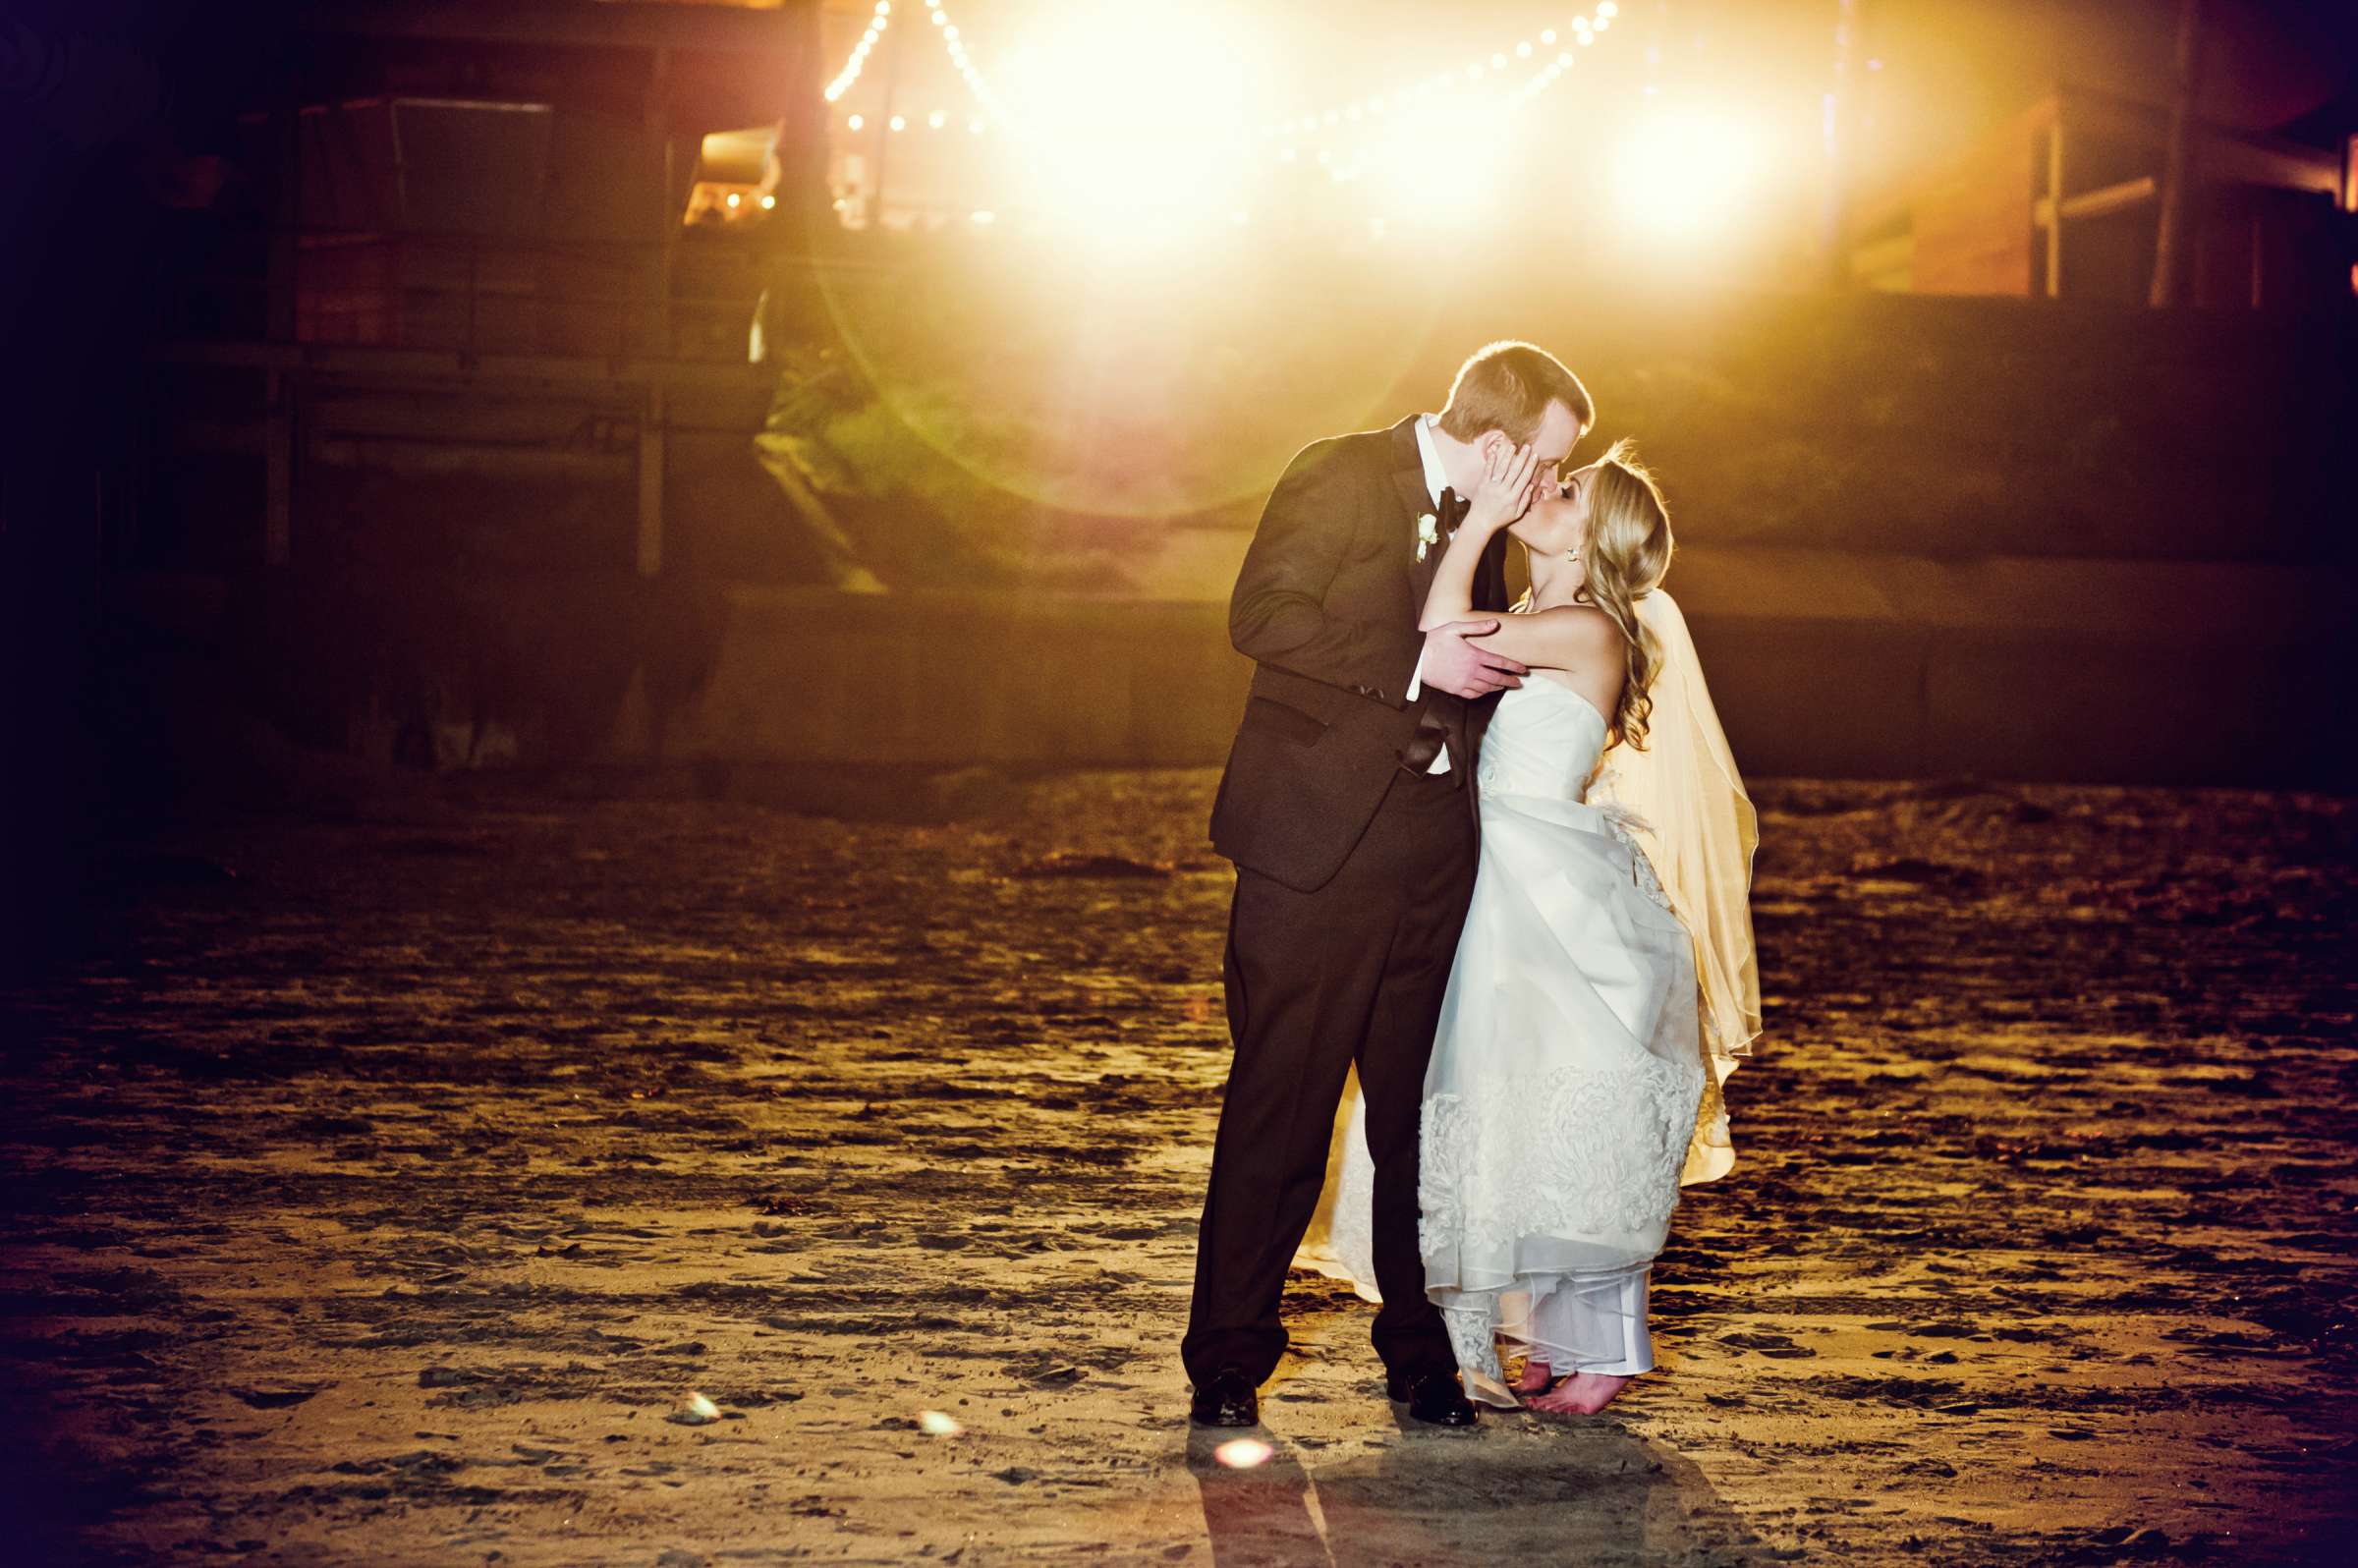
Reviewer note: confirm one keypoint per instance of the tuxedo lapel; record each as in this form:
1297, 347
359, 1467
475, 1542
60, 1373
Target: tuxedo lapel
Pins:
1414, 504
1408, 479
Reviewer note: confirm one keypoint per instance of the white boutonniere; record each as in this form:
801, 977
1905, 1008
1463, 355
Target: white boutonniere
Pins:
1429, 533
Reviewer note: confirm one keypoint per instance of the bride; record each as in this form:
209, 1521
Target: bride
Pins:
1604, 985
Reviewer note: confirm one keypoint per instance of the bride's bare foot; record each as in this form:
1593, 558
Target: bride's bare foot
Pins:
1536, 1376
1581, 1394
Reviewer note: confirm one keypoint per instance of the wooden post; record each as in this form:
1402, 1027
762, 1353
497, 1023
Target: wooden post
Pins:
2054, 203
2170, 237
280, 325
892, 87
278, 468
286, 218
650, 481
657, 121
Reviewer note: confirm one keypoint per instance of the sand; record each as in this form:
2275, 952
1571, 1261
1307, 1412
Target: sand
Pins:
384, 1175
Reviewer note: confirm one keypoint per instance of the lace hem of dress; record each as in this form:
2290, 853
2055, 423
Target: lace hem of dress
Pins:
1560, 1184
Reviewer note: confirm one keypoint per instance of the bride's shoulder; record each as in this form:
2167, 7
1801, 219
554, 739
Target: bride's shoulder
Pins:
1574, 626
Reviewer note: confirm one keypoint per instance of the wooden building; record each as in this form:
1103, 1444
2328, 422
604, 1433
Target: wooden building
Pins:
469, 253
2063, 201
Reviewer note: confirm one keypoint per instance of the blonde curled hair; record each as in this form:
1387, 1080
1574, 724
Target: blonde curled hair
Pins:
1627, 550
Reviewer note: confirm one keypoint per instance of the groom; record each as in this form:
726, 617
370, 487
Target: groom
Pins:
1349, 810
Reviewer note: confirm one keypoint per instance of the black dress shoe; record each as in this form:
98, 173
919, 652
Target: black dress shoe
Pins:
1432, 1397
1227, 1398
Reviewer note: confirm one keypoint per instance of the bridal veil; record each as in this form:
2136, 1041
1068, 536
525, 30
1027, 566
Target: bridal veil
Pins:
1684, 802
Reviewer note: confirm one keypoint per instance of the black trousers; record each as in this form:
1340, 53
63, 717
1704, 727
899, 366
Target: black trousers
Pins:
1316, 982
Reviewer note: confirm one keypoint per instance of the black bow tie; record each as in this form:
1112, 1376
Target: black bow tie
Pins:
1454, 508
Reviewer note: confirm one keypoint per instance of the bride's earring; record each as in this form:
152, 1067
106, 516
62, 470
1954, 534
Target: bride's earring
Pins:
1571, 555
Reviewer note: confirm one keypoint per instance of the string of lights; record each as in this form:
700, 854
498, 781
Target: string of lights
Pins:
879, 21
951, 40
1541, 79
1346, 169
1579, 33
976, 81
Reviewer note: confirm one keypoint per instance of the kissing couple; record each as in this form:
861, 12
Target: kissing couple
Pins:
1493, 864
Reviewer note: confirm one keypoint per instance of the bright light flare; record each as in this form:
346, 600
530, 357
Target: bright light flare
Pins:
939, 1425
1684, 171
1134, 117
1243, 1453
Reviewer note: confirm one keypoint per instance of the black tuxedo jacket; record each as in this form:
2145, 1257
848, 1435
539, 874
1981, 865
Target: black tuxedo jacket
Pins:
1326, 608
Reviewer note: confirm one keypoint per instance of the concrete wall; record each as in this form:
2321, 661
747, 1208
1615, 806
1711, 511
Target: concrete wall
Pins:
809, 675
1823, 664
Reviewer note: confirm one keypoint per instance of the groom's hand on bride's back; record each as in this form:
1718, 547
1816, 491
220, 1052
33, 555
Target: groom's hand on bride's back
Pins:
1456, 666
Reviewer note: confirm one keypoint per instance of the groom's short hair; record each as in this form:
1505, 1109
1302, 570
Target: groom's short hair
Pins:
1507, 386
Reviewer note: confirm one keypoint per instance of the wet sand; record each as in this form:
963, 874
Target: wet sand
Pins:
386, 1176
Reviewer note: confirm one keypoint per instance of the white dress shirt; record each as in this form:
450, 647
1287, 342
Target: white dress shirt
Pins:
1436, 481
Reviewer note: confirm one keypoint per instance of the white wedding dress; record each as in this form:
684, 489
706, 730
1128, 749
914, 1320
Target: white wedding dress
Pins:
1568, 1077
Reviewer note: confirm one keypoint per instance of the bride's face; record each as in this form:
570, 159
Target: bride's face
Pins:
1557, 522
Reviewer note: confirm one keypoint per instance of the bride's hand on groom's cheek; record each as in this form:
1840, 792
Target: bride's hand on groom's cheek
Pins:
1505, 494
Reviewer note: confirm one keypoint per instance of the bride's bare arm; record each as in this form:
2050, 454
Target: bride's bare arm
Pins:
1505, 491
1580, 642
1571, 637
1451, 596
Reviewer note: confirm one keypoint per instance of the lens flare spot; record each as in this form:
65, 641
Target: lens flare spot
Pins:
1243, 1453
1685, 170
939, 1425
